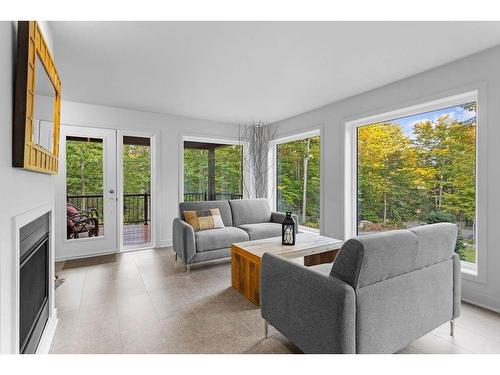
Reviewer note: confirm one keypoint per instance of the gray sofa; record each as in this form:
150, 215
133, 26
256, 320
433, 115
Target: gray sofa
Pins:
244, 220
382, 292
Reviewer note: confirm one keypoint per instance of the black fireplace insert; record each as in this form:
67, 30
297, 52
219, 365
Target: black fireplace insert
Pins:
34, 283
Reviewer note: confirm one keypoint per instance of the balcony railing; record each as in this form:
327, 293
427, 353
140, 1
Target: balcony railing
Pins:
136, 207
204, 196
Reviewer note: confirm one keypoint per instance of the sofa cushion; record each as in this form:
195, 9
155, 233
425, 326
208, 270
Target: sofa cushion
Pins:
262, 230
223, 206
204, 219
221, 238
250, 211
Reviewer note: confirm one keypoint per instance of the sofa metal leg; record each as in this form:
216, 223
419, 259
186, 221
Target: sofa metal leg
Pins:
188, 268
452, 327
266, 329
175, 259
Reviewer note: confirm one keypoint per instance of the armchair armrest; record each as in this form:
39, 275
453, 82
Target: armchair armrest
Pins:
278, 217
316, 311
183, 240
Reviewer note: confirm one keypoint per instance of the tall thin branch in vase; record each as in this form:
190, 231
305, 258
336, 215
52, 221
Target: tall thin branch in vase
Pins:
256, 138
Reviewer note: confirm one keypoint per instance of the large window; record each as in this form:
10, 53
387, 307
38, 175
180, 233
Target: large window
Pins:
212, 171
417, 170
298, 179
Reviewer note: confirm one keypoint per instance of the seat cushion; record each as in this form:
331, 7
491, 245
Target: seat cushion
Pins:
213, 239
250, 211
262, 230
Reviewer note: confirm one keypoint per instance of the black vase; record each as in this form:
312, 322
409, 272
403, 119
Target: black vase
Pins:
288, 230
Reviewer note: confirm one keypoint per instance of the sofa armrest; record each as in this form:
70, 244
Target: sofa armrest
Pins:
183, 240
278, 217
315, 311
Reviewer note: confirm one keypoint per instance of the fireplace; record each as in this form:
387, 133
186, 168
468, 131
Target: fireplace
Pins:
34, 277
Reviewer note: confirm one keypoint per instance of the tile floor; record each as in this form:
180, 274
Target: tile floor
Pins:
142, 302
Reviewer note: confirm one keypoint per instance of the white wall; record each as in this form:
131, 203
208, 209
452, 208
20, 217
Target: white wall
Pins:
20, 190
480, 71
170, 128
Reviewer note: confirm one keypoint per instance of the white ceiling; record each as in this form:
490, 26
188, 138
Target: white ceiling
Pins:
245, 71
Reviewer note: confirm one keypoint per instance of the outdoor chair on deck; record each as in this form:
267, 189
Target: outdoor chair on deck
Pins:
80, 221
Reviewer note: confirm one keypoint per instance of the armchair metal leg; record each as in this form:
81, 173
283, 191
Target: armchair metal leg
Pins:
175, 259
188, 268
266, 329
452, 327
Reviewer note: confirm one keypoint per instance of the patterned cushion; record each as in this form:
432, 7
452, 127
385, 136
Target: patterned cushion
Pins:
204, 219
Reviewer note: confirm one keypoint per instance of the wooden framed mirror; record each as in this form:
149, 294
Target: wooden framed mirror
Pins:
37, 103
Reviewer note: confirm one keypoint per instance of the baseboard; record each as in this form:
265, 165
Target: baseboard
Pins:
484, 306
165, 243
61, 259
48, 334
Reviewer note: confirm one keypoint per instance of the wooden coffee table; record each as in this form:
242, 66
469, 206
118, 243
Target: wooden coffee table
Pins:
246, 256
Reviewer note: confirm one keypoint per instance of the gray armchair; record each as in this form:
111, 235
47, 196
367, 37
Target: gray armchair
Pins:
383, 291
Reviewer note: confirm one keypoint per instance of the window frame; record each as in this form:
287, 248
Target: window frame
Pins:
273, 171
473, 271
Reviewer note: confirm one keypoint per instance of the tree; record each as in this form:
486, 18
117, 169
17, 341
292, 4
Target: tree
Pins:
385, 177
428, 175
298, 179
84, 167
447, 160
228, 170
136, 169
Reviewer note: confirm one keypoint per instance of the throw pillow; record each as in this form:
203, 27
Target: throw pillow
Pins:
204, 219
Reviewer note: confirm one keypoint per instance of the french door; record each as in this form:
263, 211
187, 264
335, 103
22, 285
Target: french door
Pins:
104, 192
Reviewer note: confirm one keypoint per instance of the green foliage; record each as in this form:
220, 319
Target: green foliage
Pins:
460, 247
84, 175
228, 170
136, 169
439, 217
427, 176
84, 167
296, 159
195, 170
370, 216
385, 176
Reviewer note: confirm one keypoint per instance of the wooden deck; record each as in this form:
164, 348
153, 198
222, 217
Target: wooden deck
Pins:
133, 234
